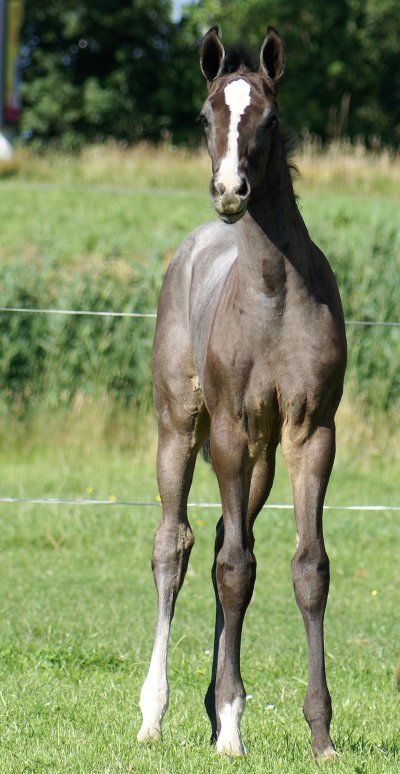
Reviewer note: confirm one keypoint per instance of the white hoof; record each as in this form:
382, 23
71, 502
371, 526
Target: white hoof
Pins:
328, 754
149, 733
231, 748
153, 704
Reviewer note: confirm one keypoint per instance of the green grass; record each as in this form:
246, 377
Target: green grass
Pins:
63, 226
78, 607
107, 248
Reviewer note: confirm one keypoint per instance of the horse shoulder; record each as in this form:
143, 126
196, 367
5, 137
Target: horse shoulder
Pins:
185, 301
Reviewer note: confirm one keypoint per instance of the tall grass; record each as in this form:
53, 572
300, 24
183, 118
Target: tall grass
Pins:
140, 166
96, 231
343, 165
147, 166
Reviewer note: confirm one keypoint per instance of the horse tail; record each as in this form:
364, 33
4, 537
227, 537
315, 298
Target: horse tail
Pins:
206, 452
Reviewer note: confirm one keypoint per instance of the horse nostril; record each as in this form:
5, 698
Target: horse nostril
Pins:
217, 188
244, 189
239, 189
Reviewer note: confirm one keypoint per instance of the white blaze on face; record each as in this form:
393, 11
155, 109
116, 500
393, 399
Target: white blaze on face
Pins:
237, 97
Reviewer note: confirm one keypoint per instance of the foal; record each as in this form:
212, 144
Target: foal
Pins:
249, 351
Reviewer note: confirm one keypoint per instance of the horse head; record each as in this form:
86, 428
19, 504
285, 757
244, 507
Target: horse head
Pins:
239, 117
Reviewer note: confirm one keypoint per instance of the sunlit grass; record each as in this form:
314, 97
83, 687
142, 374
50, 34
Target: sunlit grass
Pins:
338, 165
346, 166
78, 605
112, 164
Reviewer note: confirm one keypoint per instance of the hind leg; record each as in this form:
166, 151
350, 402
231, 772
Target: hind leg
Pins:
177, 449
218, 653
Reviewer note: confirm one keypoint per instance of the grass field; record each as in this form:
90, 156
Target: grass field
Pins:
98, 247
77, 596
78, 607
145, 166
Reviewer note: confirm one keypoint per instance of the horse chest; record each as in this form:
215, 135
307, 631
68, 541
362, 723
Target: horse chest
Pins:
274, 378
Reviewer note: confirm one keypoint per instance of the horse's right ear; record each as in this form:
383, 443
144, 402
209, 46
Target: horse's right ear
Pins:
212, 54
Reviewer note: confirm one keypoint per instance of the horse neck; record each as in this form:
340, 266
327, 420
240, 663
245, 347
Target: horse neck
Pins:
272, 230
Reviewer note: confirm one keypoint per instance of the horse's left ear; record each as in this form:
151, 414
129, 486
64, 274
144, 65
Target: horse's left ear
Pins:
272, 57
212, 54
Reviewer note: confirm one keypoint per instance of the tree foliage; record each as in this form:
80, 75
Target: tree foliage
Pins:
342, 72
124, 69
104, 69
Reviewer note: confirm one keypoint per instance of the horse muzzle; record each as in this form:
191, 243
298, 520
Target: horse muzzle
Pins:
230, 201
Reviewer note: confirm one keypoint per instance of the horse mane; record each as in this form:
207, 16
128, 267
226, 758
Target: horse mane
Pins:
290, 142
238, 60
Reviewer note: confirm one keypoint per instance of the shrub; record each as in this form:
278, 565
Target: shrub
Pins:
52, 359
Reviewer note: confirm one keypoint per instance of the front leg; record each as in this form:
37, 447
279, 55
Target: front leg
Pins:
261, 482
310, 463
234, 576
177, 449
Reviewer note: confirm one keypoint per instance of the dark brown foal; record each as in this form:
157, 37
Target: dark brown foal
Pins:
249, 352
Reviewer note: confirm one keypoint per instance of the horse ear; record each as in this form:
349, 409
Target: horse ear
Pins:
212, 54
272, 57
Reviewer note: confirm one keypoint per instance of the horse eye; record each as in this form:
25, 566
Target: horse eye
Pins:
204, 120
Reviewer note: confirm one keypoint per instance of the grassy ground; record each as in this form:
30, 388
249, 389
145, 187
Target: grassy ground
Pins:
77, 597
78, 611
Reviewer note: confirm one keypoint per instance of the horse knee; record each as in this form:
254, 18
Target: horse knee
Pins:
235, 576
171, 552
310, 574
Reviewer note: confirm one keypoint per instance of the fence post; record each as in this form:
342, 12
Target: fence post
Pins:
2, 57
11, 12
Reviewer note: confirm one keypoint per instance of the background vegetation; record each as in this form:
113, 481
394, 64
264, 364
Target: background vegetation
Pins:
54, 256
125, 70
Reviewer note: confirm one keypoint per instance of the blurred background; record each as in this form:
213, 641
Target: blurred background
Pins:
99, 103
104, 171
128, 69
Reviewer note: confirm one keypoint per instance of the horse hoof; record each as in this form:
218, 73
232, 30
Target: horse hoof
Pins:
149, 734
231, 749
326, 754
229, 752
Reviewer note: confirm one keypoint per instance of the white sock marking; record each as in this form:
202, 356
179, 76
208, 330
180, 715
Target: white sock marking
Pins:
229, 741
237, 97
155, 692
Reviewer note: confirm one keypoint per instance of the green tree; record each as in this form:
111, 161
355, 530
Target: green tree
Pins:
343, 60
123, 69
104, 69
